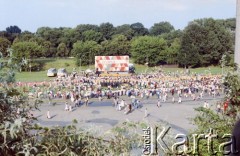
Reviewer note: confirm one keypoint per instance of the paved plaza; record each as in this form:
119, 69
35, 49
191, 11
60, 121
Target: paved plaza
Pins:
102, 116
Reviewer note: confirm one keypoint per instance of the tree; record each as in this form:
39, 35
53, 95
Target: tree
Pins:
25, 52
47, 49
125, 30
172, 52
77, 34
119, 45
160, 28
207, 41
86, 27
232, 83
208, 122
107, 29
4, 44
229, 24
91, 35
171, 36
62, 50
13, 30
151, 50
7, 69
139, 29
85, 52
52, 35
14, 127
26, 36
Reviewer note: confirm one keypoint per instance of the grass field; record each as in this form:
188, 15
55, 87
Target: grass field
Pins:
69, 64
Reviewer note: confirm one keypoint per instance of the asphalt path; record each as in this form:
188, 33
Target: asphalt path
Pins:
102, 116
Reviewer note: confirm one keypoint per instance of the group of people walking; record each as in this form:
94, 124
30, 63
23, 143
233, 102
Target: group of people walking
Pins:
135, 88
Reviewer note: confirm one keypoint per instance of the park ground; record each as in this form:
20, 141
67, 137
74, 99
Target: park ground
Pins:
101, 116
69, 64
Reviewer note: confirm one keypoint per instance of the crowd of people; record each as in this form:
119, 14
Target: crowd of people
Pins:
165, 87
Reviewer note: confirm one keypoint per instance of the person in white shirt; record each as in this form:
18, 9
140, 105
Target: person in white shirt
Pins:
206, 104
179, 99
173, 99
48, 115
66, 106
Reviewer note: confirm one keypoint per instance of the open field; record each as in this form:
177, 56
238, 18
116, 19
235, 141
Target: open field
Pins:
204, 70
69, 64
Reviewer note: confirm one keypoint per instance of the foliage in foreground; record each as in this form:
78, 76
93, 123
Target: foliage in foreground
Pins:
18, 134
222, 123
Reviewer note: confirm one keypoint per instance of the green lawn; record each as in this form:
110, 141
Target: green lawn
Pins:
69, 64
204, 70
32, 76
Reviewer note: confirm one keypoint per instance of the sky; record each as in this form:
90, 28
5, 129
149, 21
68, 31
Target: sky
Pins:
32, 14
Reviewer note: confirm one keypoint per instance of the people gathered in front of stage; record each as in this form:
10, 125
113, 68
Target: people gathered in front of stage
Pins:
164, 87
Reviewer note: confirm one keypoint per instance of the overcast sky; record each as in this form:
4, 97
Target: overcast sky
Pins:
32, 14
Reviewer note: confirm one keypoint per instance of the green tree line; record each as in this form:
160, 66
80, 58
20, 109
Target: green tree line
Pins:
201, 43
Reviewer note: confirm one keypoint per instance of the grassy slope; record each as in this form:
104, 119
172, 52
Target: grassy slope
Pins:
69, 64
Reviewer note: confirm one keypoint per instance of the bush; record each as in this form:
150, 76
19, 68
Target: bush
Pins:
35, 66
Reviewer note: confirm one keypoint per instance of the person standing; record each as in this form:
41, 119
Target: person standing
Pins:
179, 99
138, 103
145, 113
48, 115
158, 104
165, 97
173, 99
201, 94
72, 98
66, 106
218, 107
76, 103
86, 101
49, 99
225, 106
158, 94
114, 102
99, 98
206, 105
70, 107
